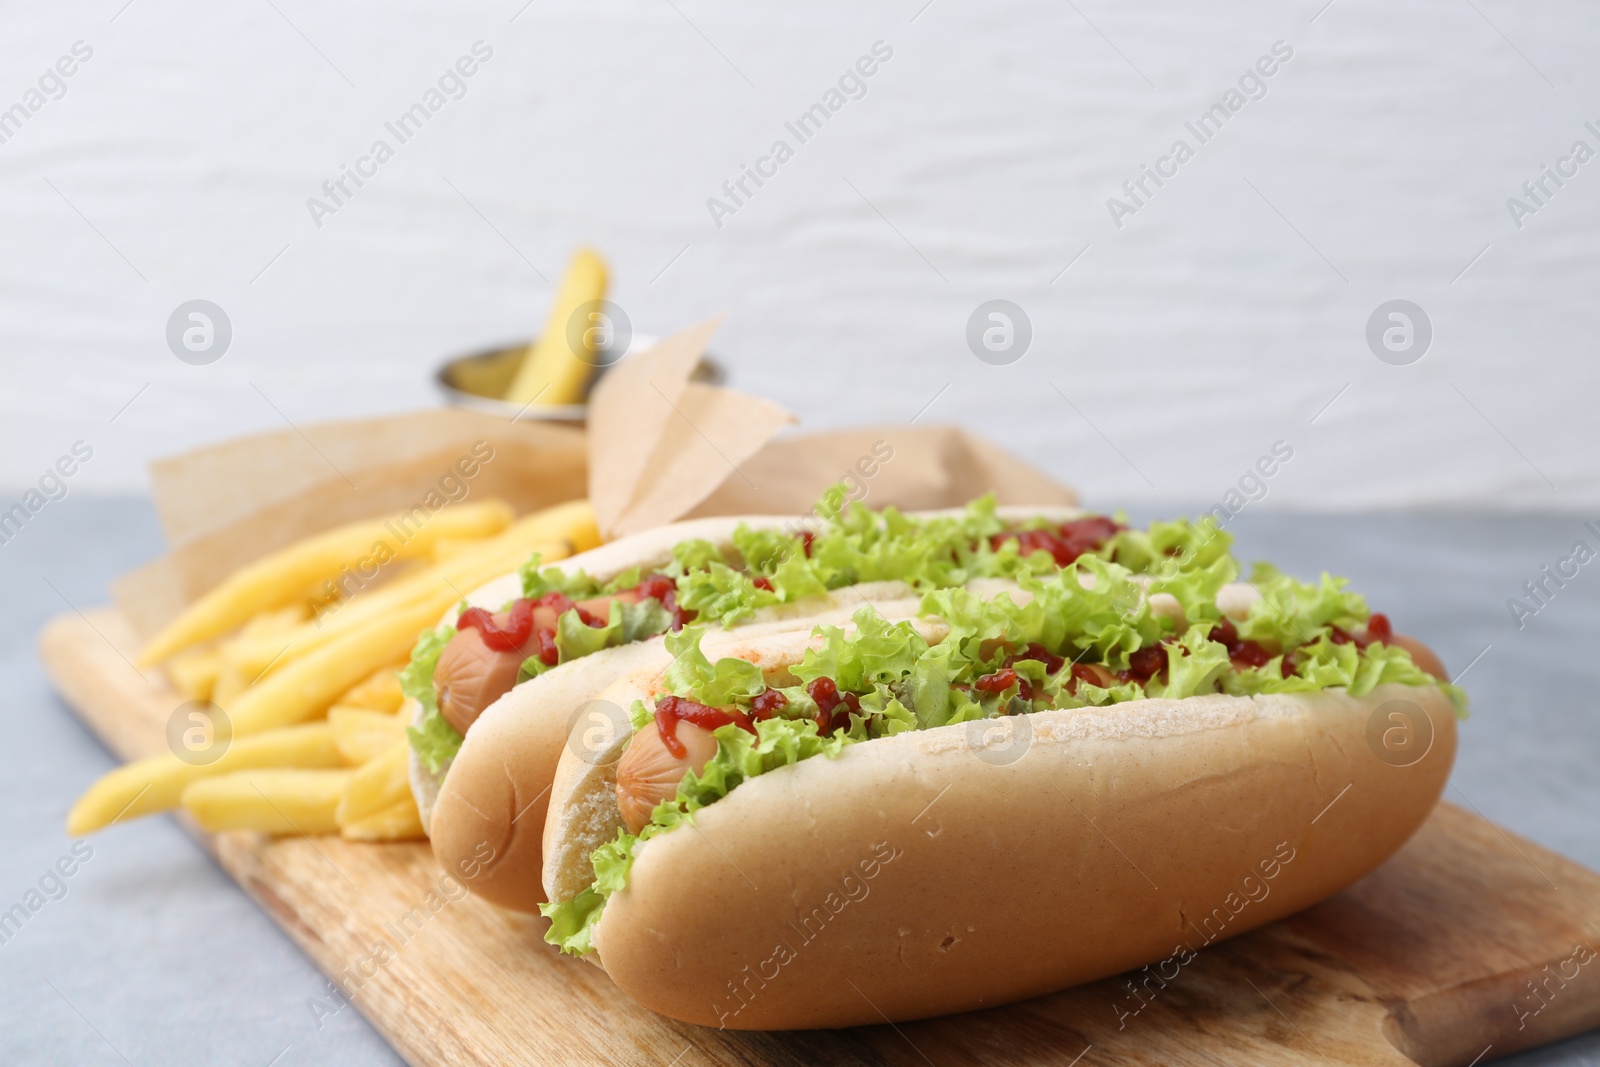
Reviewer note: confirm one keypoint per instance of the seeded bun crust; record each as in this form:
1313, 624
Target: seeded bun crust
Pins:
972, 865
495, 792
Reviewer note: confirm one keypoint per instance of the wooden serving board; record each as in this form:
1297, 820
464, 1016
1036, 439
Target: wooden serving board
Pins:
1434, 959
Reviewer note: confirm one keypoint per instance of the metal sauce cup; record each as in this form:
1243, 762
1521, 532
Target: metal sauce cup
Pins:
478, 380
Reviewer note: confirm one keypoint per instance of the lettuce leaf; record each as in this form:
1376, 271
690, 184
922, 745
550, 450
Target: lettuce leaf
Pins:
1169, 548
1194, 664
1292, 613
720, 593
876, 651
537, 581
435, 741
692, 675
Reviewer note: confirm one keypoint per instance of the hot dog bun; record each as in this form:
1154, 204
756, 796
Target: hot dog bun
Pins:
495, 792
975, 864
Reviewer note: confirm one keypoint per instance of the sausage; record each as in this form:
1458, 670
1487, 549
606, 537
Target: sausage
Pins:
470, 675
649, 773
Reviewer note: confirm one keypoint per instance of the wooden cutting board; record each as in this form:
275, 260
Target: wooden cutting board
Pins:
1470, 944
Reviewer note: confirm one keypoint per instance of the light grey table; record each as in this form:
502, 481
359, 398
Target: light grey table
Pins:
152, 956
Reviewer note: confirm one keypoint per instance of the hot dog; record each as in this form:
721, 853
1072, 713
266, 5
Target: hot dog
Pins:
496, 690
1004, 796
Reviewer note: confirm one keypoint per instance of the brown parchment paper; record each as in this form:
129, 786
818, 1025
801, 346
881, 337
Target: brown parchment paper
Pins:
658, 448
907, 466
224, 505
660, 444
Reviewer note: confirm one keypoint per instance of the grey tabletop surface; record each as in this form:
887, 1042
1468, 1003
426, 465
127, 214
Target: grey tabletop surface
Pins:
148, 954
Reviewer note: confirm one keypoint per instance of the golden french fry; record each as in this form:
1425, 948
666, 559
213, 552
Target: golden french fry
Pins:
554, 532
378, 784
194, 672
573, 521
276, 579
561, 360
271, 801
363, 735
230, 682
443, 550
276, 620
380, 691
329, 595
399, 822
307, 686
146, 786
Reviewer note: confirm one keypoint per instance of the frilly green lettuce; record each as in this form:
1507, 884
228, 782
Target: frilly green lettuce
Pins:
435, 741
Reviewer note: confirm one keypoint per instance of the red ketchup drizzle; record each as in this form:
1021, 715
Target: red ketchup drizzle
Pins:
519, 623
826, 693
1144, 664
1083, 672
806, 537
768, 704
1241, 653
1066, 542
1004, 679
671, 710
762, 583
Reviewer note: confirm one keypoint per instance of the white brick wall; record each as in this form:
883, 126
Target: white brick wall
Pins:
1223, 315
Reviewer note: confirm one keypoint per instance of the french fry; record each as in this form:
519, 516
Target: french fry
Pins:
399, 822
302, 689
555, 533
268, 629
194, 672
362, 735
272, 801
444, 549
380, 691
376, 785
573, 521
560, 362
275, 579
155, 784
276, 620
230, 682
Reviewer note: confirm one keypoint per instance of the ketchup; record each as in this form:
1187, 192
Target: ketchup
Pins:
806, 537
1085, 672
768, 704
519, 624
762, 583
1241, 653
671, 710
825, 691
1066, 542
1004, 679
1145, 664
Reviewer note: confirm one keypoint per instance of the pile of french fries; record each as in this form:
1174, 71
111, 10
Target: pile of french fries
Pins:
302, 659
